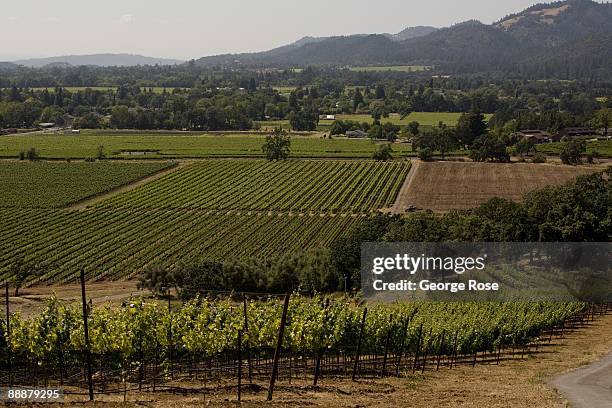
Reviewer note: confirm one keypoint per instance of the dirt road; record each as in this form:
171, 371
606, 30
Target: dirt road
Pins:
88, 202
590, 386
403, 199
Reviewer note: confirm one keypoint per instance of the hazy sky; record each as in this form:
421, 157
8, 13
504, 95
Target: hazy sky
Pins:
187, 29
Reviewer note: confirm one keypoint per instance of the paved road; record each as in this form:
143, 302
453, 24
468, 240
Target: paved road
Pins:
590, 386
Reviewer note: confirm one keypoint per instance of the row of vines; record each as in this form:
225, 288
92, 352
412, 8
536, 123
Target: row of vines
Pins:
120, 243
57, 184
205, 328
256, 185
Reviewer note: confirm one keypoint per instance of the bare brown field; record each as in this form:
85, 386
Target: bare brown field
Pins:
444, 186
32, 300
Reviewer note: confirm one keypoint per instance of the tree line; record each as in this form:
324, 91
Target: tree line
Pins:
209, 99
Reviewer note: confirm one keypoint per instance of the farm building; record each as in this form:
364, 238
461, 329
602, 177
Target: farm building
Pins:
538, 136
67, 120
356, 134
574, 132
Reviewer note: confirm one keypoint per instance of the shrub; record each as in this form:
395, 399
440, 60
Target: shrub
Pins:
571, 151
383, 153
100, 153
539, 158
486, 148
310, 271
157, 279
32, 154
592, 157
425, 154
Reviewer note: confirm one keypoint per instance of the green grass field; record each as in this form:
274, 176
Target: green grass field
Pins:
183, 145
55, 184
426, 119
603, 147
258, 185
393, 68
271, 124
284, 90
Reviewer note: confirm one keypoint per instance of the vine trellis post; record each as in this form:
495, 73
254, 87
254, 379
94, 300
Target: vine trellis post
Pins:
86, 332
279, 345
8, 335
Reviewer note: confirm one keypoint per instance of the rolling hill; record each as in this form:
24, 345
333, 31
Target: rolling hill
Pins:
555, 24
472, 45
586, 58
411, 32
321, 50
543, 34
102, 60
7, 65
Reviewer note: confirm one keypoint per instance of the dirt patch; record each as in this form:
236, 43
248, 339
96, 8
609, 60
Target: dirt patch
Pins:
31, 300
403, 196
444, 186
552, 12
510, 22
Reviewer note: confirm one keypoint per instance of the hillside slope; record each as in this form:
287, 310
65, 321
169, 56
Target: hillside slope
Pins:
466, 46
412, 32
576, 31
7, 65
586, 58
550, 25
102, 60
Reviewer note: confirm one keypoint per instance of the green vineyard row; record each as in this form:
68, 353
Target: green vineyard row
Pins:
119, 244
56, 184
208, 328
298, 186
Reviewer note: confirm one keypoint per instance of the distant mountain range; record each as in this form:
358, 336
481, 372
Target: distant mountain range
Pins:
541, 35
101, 60
294, 51
7, 65
566, 39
